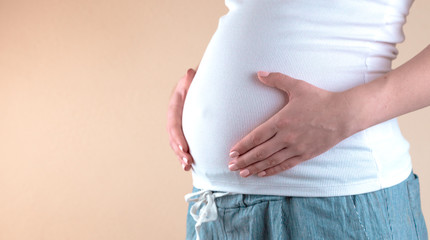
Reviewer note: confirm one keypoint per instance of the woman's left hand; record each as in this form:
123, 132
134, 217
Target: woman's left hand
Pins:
312, 122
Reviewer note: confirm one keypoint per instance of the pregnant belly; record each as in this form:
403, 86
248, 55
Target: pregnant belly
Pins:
223, 104
226, 100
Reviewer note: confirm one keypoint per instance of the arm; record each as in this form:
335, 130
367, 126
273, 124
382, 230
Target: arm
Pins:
403, 90
293, 135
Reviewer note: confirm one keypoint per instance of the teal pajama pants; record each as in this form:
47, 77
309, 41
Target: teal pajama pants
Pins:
391, 213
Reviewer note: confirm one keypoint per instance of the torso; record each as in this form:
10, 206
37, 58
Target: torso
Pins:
334, 45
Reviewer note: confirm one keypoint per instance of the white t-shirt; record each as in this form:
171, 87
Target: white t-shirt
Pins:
332, 44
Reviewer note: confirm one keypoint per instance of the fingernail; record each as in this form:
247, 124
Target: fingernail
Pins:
244, 173
262, 174
183, 166
232, 167
263, 73
180, 147
185, 160
234, 154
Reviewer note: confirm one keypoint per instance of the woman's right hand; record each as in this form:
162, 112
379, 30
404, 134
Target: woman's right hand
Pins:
174, 119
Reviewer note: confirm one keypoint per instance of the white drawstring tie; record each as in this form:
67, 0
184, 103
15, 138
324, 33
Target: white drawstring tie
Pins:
207, 212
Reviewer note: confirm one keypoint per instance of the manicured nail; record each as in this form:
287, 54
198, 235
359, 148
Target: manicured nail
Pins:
234, 154
180, 147
183, 166
263, 73
232, 167
263, 173
185, 160
244, 173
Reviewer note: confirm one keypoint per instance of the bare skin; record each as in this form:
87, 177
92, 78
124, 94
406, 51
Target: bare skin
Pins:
177, 139
314, 120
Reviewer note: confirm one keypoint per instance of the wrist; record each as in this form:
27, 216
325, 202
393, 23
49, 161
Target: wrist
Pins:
348, 113
367, 104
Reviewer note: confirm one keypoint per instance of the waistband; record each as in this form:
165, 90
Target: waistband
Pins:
204, 209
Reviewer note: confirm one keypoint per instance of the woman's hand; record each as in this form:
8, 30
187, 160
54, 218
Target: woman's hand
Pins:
174, 120
312, 122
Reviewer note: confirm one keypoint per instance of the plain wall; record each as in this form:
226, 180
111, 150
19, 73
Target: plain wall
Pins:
84, 89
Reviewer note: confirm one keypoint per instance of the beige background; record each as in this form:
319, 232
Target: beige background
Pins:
84, 87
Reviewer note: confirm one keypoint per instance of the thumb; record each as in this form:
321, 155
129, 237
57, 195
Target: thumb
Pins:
277, 80
189, 76
190, 73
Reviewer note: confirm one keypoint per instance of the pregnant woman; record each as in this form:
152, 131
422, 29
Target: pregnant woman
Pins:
289, 124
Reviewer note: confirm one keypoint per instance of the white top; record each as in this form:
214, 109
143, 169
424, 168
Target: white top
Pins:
332, 44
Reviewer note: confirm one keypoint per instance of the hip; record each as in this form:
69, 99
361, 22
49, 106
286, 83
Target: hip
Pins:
390, 213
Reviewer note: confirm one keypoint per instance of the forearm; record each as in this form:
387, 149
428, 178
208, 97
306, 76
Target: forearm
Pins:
403, 90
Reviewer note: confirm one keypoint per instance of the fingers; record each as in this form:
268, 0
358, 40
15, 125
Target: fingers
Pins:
178, 137
270, 162
179, 144
185, 166
185, 159
258, 136
283, 166
262, 151
279, 80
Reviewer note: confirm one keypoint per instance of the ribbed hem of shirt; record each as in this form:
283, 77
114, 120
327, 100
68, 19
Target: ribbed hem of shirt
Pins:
303, 191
